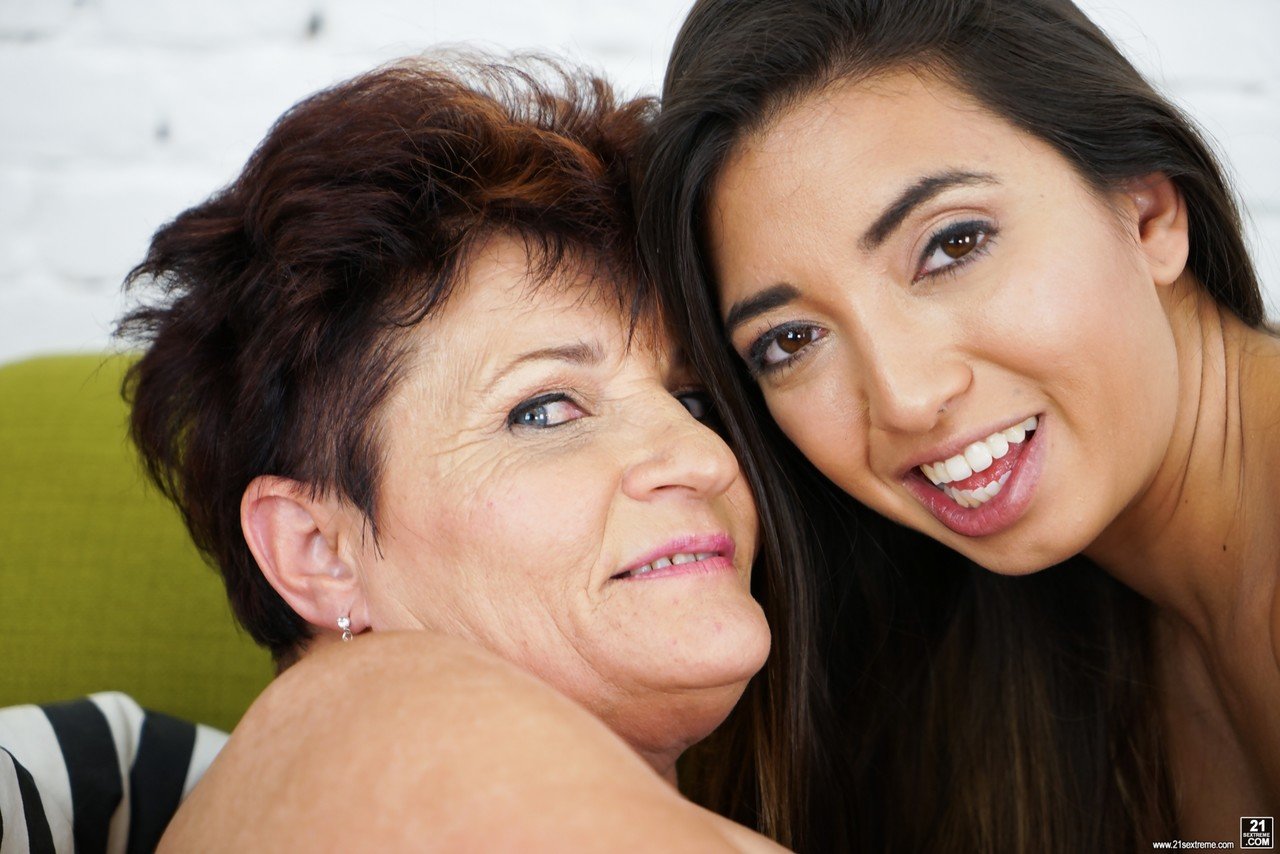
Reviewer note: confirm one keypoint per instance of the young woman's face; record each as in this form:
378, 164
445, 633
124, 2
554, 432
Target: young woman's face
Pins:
548, 493
945, 319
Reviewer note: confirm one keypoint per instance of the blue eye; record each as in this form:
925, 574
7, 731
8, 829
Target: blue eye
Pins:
544, 411
781, 345
954, 246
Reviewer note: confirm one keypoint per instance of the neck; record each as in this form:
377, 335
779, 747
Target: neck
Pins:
661, 728
1202, 535
1203, 544
664, 764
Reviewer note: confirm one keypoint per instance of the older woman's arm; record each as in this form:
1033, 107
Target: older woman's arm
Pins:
412, 741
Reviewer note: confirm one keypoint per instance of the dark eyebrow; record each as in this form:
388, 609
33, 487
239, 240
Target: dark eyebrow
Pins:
901, 207
914, 196
579, 353
757, 304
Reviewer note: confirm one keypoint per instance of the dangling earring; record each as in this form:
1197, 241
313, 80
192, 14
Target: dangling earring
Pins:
344, 623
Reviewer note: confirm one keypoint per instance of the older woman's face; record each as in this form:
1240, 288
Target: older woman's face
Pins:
547, 493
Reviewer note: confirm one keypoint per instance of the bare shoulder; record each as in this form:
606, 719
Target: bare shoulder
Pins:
413, 741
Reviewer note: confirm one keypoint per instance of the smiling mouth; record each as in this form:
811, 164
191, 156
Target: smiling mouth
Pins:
678, 559
978, 474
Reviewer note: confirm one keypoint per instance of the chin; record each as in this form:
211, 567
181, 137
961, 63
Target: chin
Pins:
1018, 557
726, 650
730, 672
1011, 568
673, 721
678, 699
712, 666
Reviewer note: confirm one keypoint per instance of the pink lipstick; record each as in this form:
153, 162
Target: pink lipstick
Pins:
689, 555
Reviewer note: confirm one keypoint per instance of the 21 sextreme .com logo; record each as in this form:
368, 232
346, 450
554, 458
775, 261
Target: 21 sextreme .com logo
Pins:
1257, 832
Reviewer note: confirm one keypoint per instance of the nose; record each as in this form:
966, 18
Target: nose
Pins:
910, 379
677, 454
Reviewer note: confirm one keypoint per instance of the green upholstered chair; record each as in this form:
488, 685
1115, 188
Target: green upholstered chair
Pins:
100, 586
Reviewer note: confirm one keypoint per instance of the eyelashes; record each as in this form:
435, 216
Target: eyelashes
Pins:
558, 408
947, 251
781, 346
954, 246
544, 412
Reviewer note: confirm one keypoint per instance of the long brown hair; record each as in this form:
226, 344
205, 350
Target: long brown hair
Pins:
980, 713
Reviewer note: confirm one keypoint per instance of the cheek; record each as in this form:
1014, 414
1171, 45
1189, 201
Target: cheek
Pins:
530, 524
1094, 329
825, 420
496, 550
1091, 339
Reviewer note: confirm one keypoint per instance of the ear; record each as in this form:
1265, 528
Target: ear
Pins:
1161, 219
297, 541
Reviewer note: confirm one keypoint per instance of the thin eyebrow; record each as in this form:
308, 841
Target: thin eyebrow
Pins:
893, 216
578, 353
914, 196
757, 304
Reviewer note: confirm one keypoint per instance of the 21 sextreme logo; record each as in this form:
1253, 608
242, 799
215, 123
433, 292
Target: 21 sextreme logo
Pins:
1257, 832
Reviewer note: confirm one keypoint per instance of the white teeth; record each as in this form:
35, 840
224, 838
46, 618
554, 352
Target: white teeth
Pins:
674, 560
1018, 432
978, 456
970, 498
957, 468
937, 473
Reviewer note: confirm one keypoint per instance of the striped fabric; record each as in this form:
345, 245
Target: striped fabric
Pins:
99, 774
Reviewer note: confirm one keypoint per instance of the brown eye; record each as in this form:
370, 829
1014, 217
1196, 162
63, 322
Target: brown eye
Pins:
780, 346
960, 245
793, 340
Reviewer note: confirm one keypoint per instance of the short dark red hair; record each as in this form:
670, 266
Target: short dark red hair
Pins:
274, 337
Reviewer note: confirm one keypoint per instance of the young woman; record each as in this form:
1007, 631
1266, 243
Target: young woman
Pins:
993, 286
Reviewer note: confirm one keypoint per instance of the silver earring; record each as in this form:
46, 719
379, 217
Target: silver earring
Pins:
344, 623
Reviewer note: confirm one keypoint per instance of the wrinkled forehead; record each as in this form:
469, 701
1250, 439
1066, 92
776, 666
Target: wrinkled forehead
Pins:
515, 296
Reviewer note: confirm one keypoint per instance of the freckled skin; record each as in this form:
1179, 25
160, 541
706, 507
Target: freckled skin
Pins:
1058, 315
508, 536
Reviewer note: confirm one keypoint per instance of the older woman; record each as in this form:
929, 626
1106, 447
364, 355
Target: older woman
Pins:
417, 404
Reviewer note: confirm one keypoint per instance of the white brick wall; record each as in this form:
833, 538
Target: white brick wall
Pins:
116, 114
